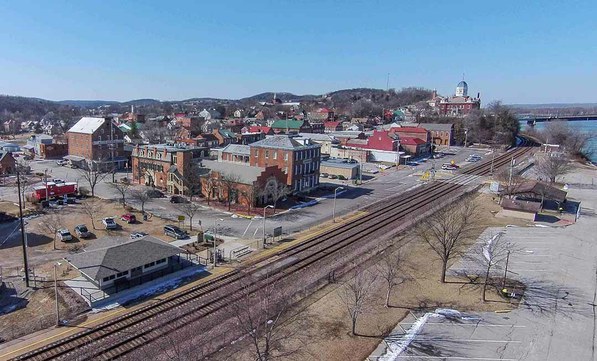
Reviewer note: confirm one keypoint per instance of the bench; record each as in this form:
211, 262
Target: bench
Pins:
239, 252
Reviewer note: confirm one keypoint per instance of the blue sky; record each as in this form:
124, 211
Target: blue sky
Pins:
514, 51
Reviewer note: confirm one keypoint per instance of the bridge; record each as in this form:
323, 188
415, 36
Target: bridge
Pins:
531, 118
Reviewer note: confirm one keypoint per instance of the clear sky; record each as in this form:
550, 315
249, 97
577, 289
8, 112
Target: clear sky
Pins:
515, 51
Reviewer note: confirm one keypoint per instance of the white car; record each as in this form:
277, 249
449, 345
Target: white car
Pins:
109, 223
64, 235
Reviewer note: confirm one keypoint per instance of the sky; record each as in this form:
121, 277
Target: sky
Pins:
514, 51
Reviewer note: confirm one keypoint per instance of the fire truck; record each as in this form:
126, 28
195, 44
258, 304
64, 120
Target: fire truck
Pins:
55, 190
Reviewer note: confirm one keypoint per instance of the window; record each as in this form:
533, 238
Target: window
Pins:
109, 278
285, 156
122, 274
136, 269
163, 260
256, 153
266, 154
275, 155
150, 264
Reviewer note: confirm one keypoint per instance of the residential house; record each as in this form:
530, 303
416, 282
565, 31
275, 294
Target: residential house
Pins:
7, 163
288, 126
96, 142
331, 127
325, 140
258, 128
248, 137
224, 137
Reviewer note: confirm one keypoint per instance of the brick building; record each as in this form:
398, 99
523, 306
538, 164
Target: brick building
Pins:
167, 167
299, 158
441, 134
96, 142
247, 187
460, 103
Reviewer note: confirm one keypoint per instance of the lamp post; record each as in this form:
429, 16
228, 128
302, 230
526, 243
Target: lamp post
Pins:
465, 136
215, 240
334, 208
56, 293
264, 208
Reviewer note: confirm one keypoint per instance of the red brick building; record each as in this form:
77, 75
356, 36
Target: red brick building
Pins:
331, 127
96, 142
167, 167
460, 103
379, 140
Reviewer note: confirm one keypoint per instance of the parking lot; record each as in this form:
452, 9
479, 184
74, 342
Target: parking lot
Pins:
555, 319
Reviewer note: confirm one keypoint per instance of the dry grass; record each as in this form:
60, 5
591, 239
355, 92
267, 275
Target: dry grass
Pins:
422, 290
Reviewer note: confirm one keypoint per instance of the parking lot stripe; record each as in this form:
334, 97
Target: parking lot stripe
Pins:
464, 324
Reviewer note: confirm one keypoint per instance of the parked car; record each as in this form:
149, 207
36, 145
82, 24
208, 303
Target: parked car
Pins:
447, 166
58, 180
175, 232
61, 162
81, 231
128, 218
154, 193
64, 235
109, 223
137, 235
323, 175
178, 199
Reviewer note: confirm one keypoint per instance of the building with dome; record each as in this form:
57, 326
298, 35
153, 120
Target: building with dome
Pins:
459, 104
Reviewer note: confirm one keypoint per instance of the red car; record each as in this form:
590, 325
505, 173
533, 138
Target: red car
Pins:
129, 218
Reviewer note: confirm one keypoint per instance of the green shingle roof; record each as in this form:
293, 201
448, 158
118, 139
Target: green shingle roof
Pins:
290, 124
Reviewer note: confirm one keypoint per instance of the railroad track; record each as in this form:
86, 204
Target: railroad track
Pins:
119, 336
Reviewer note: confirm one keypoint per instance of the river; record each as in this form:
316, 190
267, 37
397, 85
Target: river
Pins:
588, 126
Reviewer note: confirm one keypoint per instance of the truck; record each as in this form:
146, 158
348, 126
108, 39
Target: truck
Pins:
54, 190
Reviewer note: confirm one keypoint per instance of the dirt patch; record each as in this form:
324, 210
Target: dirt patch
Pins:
420, 291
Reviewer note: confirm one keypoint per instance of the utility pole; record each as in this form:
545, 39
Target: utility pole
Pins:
510, 177
506, 270
112, 149
264, 208
465, 136
26, 264
56, 296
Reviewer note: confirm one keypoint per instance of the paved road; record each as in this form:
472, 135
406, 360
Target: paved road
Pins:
385, 184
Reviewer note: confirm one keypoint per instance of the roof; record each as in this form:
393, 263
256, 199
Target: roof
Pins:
317, 137
411, 141
331, 124
436, 126
339, 164
259, 129
409, 130
237, 149
87, 125
462, 84
4, 154
280, 142
246, 174
107, 261
288, 123
541, 189
518, 205
226, 133
208, 137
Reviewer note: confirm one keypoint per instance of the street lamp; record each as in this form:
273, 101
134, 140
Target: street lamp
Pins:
334, 209
465, 136
56, 293
216, 224
264, 208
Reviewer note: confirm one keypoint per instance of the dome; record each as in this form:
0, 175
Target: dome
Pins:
462, 89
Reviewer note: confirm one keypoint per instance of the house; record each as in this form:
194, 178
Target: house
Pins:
96, 142
126, 262
340, 168
208, 140
322, 114
325, 140
414, 146
248, 137
224, 136
441, 134
520, 209
287, 126
331, 127
246, 182
381, 146
235, 153
257, 128
7, 163
165, 166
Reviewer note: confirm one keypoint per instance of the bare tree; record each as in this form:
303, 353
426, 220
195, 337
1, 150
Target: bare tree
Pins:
511, 183
52, 222
229, 182
572, 141
141, 196
249, 195
209, 185
552, 167
275, 190
390, 270
448, 228
495, 250
356, 296
262, 315
189, 209
92, 175
91, 207
122, 188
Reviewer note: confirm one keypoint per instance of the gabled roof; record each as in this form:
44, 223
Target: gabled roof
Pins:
519, 205
208, 137
226, 133
107, 261
331, 124
87, 125
258, 129
541, 189
288, 123
4, 154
